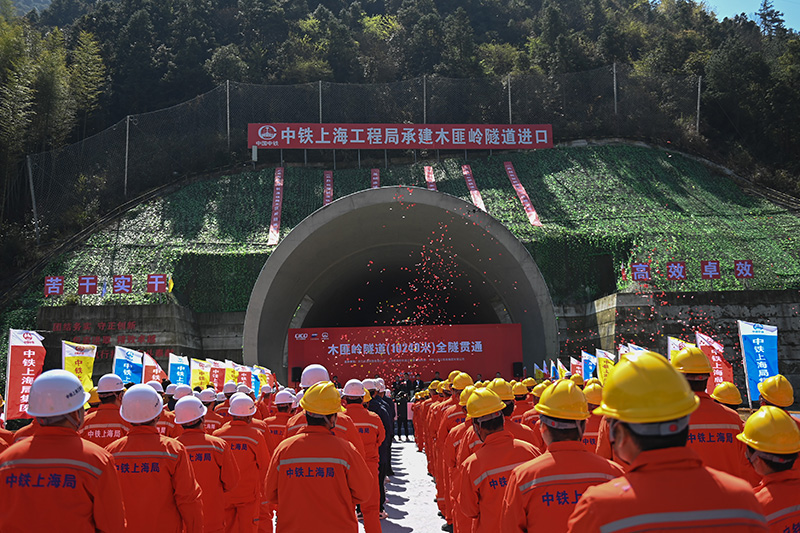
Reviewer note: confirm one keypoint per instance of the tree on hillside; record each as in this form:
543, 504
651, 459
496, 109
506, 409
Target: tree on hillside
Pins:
770, 19
87, 76
459, 58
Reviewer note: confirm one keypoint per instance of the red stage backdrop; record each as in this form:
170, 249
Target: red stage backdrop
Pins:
391, 350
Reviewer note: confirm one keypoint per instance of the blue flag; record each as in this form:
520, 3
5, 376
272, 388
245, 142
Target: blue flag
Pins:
179, 371
589, 364
553, 370
760, 353
128, 365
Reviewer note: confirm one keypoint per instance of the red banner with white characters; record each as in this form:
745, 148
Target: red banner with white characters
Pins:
327, 194
401, 136
152, 370
25, 361
216, 375
721, 370
375, 176
430, 181
391, 350
277, 206
474, 193
522, 194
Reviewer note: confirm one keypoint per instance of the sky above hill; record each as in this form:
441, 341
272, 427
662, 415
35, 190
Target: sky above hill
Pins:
730, 8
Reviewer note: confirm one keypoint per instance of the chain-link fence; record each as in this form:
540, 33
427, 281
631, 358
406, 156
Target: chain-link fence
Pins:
75, 184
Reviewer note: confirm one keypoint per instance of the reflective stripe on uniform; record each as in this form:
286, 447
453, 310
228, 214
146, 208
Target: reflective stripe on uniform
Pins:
565, 477
51, 462
144, 453
365, 424
84, 429
496, 471
691, 517
204, 447
296, 460
783, 512
298, 426
714, 426
239, 437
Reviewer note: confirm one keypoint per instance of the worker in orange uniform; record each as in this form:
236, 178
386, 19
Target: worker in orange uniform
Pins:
712, 427
56, 481
316, 466
211, 421
212, 460
94, 401
228, 390
276, 424
485, 473
26, 431
776, 391
505, 391
531, 416
773, 442
522, 402
265, 403
166, 422
461, 522
370, 429
243, 504
542, 493
157, 479
105, 425
452, 414
727, 394
666, 487
594, 396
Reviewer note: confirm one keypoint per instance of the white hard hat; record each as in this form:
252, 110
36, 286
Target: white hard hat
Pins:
170, 389
370, 384
242, 405
284, 397
241, 387
182, 391
380, 381
313, 374
220, 396
188, 409
110, 383
381, 385
140, 404
208, 396
294, 392
297, 398
266, 389
229, 387
196, 394
156, 385
56, 392
354, 388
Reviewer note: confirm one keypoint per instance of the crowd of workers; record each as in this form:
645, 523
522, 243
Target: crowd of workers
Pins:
647, 451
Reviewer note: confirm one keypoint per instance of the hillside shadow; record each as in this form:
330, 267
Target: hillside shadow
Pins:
244, 204
186, 209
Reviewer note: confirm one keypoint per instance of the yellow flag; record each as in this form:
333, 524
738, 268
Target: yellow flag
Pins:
200, 373
604, 366
170, 284
79, 360
231, 374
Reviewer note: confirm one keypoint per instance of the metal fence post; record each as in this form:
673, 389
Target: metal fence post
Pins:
228, 109
320, 101
33, 199
509, 99
699, 88
127, 145
615, 88
424, 99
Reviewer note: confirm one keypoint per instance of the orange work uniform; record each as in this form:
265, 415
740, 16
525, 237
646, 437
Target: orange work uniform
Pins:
27, 431
451, 414
344, 429
485, 476
372, 434
57, 481
7, 436
542, 493
591, 432
604, 448
316, 480
779, 494
243, 503
520, 432
212, 422
520, 408
158, 483
216, 472
166, 424
222, 409
461, 522
276, 424
712, 434
530, 417
669, 489
104, 426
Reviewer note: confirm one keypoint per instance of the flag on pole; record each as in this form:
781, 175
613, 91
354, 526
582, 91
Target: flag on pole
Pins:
244, 374
604, 365
562, 370
23, 364
152, 370
589, 363
553, 370
170, 285
634, 348
264, 374
759, 354
676, 345
602, 353
575, 367
179, 371
721, 370
216, 374
200, 373
623, 348
128, 365
538, 373
79, 360
231, 373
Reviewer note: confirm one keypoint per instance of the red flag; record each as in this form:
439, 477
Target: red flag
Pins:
721, 370
25, 361
152, 370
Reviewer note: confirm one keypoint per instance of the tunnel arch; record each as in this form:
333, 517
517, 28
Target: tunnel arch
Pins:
360, 260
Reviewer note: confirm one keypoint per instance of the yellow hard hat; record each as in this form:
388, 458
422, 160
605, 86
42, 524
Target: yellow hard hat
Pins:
539, 389
483, 402
529, 382
445, 385
2, 401
480, 384
645, 388
777, 390
93, 396
563, 400
577, 379
547, 382
592, 380
452, 375
771, 430
512, 383
502, 388
462, 380
519, 389
465, 394
434, 384
322, 399
367, 397
594, 393
727, 393
691, 360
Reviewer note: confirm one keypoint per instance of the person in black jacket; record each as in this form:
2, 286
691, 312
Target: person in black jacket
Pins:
377, 406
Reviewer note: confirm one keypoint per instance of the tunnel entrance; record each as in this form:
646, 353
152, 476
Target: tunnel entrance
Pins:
397, 256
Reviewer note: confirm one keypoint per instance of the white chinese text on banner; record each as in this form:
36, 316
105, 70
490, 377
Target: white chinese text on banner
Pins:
152, 370
575, 367
216, 375
200, 373
24, 363
179, 371
128, 365
589, 363
721, 370
759, 353
605, 363
79, 360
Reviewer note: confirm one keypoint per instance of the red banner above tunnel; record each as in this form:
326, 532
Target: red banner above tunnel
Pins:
401, 136
391, 350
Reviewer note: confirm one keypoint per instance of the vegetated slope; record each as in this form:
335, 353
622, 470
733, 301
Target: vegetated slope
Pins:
602, 208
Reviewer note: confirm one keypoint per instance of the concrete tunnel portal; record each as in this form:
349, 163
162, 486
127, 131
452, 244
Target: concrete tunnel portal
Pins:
397, 256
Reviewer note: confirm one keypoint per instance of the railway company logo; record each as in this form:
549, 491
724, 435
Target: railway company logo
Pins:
300, 336
267, 133
325, 335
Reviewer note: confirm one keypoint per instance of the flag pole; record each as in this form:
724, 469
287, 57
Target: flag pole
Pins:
744, 364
